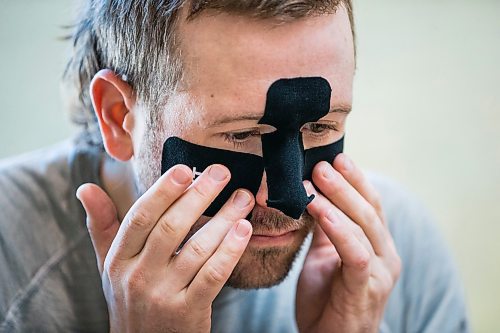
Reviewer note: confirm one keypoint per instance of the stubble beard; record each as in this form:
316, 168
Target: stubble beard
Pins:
264, 267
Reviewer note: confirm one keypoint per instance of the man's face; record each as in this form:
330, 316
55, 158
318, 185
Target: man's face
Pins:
229, 64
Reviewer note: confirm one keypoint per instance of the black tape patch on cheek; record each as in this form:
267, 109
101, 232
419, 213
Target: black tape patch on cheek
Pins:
246, 169
324, 153
290, 104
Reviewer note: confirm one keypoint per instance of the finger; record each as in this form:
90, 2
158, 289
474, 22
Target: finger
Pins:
356, 259
146, 211
357, 179
319, 237
322, 207
175, 223
102, 219
205, 242
334, 187
216, 271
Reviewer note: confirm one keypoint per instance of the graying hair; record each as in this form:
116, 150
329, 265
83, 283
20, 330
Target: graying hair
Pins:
137, 40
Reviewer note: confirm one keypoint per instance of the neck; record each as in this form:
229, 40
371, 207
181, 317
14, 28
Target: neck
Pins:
118, 182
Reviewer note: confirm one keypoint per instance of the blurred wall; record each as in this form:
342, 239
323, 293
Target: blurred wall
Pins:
32, 58
426, 112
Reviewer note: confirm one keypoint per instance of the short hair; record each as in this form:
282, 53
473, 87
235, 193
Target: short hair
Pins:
137, 40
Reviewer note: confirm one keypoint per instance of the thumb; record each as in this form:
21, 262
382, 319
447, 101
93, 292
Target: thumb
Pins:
102, 220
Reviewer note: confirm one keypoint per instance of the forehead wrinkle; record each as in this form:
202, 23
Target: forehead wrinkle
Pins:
232, 119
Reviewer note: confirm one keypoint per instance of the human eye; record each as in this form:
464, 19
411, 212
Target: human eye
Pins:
320, 129
239, 139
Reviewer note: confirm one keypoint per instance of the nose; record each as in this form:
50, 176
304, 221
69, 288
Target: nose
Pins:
262, 194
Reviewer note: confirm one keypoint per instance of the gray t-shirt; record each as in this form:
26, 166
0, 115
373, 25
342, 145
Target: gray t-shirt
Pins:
49, 280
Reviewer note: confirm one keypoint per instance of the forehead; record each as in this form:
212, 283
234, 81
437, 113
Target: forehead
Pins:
230, 61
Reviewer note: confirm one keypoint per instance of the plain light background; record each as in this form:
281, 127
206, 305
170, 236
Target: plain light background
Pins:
426, 112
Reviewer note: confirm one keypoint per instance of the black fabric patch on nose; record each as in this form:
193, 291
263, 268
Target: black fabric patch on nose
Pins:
290, 104
246, 169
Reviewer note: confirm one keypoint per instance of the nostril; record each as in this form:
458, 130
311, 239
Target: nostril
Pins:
262, 194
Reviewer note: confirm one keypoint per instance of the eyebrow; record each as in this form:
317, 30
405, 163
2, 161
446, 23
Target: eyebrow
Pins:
344, 109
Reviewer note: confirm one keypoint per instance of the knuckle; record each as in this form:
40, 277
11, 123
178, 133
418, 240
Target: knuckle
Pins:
181, 266
163, 194
156, 299
387, 284
362, 261
198, 249
216, 274
112, 267
202, 189
160, 298
358, 231
370, 214
134, 283
201, 292
167, 225
377, 200
397, 266
182, 312
91, 227
138, 220
337, 187
378, 292
345, 236
231, 252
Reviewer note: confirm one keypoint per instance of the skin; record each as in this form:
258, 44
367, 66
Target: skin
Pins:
230, 62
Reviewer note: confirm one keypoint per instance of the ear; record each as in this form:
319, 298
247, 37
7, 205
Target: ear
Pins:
113, 100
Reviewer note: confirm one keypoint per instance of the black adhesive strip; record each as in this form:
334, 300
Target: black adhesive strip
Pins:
246, 169
324, 153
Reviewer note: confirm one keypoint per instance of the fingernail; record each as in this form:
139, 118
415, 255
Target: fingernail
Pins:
217, 172
78, 194
242, 229
331, 216
181, 176
241, 199
328, 172
347, 163
309, 188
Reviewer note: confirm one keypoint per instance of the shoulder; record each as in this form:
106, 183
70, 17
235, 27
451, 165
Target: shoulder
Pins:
412, 226
36, 187
429, 293
44, 181
29, 178
40, 216
406, 215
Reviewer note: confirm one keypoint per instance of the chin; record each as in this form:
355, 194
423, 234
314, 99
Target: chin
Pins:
264, 264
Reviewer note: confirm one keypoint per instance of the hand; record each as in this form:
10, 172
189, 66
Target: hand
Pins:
148, 287
352, 264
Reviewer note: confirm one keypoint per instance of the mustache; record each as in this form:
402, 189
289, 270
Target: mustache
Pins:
271, 220
264, 220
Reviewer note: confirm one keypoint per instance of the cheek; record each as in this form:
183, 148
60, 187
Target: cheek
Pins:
136, 126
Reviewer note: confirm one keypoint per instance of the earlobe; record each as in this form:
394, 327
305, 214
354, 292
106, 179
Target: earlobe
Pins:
112, 99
